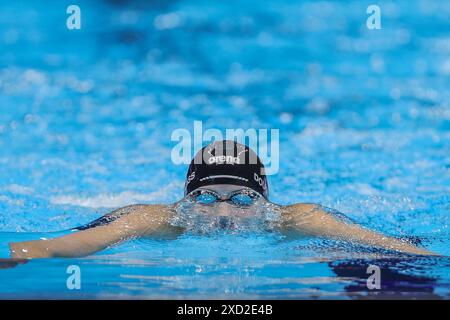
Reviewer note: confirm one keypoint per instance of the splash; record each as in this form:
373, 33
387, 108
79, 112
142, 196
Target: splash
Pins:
199, 220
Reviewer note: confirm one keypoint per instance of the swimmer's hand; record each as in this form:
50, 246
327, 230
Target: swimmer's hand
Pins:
140, 220
312, 219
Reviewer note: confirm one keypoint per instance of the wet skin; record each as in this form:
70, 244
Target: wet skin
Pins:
155, 220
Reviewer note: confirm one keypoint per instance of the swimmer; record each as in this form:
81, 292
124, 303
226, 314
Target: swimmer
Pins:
224, 180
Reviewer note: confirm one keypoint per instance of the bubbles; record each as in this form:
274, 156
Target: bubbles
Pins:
167, 21
286, 117
202, 220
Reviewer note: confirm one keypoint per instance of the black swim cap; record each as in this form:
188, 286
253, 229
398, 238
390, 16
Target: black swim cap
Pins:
227, 162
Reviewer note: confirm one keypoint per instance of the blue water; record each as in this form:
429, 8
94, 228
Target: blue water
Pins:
364, 116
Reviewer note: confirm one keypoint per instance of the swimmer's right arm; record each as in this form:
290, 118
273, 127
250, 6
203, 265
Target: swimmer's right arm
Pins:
141, 220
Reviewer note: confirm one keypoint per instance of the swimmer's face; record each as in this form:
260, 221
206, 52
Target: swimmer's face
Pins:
228, 208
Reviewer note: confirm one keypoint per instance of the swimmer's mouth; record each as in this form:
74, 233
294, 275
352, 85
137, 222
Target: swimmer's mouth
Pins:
225, 223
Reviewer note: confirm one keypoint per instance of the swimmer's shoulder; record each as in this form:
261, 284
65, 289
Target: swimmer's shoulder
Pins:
161, 210
313, 212
140, 211
143, 210
299, 208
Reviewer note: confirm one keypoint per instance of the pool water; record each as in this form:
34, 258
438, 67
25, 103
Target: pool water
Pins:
364, 118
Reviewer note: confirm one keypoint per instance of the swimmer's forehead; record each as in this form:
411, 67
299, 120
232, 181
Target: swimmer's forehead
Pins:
223, 188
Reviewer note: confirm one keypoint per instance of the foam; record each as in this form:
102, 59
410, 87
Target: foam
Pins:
110, 200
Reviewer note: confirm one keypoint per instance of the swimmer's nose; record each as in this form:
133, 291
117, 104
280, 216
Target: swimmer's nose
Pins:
223, 209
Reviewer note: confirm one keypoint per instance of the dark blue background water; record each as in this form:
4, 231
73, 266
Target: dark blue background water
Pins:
86, 118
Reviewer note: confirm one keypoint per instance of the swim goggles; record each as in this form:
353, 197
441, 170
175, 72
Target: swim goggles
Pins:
239, 198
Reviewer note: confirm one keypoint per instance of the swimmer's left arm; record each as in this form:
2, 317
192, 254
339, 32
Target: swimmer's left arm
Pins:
314, 220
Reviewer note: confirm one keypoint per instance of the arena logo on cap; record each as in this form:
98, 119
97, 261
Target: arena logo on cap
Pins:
223, 159
259, 140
